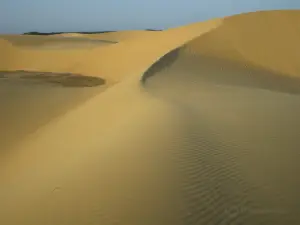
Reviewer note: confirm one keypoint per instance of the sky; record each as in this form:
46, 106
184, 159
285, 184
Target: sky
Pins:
19, 16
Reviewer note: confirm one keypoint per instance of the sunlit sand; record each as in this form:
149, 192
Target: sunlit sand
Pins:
196, 125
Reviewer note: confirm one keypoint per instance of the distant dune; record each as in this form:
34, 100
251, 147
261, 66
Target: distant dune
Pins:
121, 35
56, 33
76, 33
196, 125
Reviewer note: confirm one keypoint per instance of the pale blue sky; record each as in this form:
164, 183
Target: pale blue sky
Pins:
17, 16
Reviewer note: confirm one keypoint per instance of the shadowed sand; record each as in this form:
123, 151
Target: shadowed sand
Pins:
29, 100
63, 79
240, 148
54, 42
198, 129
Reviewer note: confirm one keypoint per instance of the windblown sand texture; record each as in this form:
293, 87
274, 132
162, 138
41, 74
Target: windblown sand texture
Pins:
195, 125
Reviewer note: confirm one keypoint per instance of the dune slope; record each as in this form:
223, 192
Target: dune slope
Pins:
267, 39
207, 135
238, 155
99, 177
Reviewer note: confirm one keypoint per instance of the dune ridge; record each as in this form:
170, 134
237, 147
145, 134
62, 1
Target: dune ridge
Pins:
259, 39
97, 62
193, 131
235, 162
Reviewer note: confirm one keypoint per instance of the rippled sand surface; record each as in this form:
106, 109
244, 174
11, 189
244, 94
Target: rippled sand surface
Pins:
195, 125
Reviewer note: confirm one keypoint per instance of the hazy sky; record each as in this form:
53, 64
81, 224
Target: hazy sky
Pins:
17, 16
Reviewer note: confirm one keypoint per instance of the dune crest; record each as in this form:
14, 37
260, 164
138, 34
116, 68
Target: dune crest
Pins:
267, 39
237, 154
98, 61
196, 125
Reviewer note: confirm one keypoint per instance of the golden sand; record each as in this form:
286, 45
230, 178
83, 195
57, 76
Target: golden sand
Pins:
194, 125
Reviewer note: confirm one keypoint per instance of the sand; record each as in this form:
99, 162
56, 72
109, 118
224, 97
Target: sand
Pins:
193, 125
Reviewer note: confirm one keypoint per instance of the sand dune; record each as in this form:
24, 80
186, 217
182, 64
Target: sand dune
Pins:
70, 35
261, 39
30, 100
239, 151
197, 125
98, 61
121, 35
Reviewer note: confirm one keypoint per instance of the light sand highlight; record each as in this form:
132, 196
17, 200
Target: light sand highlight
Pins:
120, 36
205, 136
52, 41
265, 39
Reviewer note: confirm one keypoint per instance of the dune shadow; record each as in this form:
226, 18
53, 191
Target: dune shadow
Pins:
222, 127
164, 62
245, 75
30, 100
59, 79
180, 66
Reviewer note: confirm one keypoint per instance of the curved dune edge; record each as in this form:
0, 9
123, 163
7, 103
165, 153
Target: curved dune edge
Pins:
100, 61
102, 161
236, 155
234, 161
93, 127
266, 39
